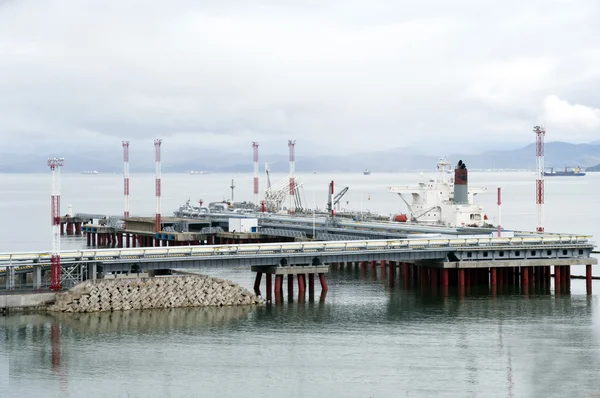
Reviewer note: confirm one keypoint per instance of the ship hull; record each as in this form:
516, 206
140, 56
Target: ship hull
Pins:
564, 174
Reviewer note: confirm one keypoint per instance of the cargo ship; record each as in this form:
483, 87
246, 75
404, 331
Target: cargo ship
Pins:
366, 172
576, 172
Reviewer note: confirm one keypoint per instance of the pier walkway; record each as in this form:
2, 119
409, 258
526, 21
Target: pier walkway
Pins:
541, 250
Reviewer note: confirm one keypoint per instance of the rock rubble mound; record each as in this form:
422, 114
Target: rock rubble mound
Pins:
159, 292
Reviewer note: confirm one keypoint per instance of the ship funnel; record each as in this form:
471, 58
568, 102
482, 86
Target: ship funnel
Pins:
461, 186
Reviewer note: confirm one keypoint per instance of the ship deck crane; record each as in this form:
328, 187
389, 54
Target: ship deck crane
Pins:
338, 197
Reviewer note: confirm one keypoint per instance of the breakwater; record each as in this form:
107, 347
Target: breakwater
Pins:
147, 293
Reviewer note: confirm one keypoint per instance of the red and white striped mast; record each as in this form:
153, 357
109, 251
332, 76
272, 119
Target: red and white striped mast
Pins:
157, 143
126, 177
255, 148
292, 147
55, 164
539, 191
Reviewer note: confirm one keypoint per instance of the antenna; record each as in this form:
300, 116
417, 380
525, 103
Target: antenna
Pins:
292, 148
255, 148
232, 186
55, 164
540, 132
157, 144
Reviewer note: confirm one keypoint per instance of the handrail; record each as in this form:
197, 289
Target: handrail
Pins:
294, 247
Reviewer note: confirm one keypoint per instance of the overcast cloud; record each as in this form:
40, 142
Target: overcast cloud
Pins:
349, 75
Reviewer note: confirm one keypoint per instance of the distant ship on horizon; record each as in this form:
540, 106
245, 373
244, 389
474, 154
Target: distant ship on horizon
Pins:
198, 172
366, 172
567, 172
89, 172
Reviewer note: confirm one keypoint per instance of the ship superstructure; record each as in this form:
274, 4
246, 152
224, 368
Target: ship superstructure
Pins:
444, 200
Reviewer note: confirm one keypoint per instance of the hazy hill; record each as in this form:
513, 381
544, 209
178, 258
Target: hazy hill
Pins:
557, 154
593, 168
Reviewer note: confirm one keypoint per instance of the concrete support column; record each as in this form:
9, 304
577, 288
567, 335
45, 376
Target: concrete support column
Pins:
62, 228
588, 279
23, 279
92, 271
382, 265
467, 273
37, 276
10, 278
311, 285
88, 238
557, 276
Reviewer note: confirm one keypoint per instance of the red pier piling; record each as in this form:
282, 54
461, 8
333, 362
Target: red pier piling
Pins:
301, 285
588, 279
461, 277
524, 276
323, 281
269, 291
257, 283
278, 285
290, 286
311, 285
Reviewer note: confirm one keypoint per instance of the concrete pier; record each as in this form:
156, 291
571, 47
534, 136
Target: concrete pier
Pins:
12, 302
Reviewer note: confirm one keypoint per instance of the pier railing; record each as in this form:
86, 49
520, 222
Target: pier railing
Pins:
115, 255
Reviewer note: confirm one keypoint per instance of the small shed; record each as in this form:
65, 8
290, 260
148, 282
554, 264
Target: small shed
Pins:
243, 225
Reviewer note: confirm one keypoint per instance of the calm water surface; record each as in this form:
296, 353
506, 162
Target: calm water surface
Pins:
367, 339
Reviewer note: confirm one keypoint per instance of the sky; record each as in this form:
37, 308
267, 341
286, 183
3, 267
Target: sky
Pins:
338, 76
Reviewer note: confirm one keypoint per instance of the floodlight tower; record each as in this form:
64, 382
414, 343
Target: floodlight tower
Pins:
157, 144
255, 148
292, 147
540, 132
55, 164
126, 177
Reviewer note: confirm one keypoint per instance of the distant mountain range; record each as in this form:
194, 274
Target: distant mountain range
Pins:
593, 168
557, 155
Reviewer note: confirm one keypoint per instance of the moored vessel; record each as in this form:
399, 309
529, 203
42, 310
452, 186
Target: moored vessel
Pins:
445, 200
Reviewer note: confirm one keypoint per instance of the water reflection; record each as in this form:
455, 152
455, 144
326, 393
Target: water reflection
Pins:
154, 321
